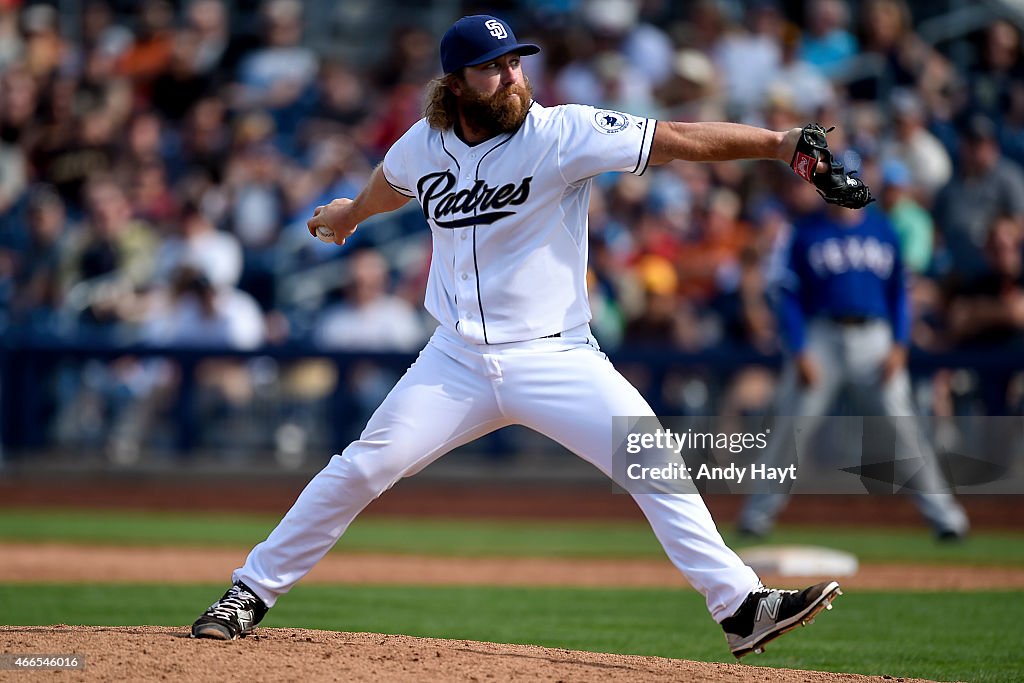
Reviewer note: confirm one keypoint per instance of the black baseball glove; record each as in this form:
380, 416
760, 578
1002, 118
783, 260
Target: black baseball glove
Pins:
837, 186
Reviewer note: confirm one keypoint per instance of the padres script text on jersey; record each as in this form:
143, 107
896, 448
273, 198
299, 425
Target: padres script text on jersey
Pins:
509, 216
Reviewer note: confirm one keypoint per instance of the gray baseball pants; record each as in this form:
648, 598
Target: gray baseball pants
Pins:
850, 357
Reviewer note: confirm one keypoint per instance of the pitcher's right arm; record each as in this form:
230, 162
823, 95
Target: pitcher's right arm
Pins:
342, 216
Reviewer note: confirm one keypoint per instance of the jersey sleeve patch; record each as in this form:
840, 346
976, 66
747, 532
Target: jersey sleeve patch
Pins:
609, 122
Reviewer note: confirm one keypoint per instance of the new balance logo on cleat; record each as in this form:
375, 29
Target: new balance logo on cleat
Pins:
231, 617
768, 613
769, 606
244, 619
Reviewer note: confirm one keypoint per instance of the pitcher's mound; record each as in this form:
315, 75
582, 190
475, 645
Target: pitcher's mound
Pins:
159, 653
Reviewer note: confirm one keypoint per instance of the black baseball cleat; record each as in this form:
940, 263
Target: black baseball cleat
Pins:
951, 536
231, 617
767, 613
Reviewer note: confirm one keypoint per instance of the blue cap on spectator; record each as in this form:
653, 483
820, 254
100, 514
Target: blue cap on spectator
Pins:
895, 173
477, 39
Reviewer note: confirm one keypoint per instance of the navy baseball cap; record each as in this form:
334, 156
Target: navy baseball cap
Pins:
477, 39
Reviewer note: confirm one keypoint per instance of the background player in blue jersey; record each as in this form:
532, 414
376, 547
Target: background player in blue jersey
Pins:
845, 319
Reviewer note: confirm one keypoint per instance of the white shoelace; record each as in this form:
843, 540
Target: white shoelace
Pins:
764, 589
228, 606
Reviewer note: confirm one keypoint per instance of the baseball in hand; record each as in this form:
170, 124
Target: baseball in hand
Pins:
325, 234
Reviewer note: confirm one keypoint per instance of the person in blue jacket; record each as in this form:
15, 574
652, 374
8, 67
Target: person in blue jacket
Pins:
845, 321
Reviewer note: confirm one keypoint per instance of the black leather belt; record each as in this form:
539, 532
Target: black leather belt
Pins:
852, 319
556, 334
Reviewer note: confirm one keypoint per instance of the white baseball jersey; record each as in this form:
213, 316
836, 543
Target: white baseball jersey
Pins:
509, 216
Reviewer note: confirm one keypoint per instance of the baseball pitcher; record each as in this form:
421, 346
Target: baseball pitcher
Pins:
505, 184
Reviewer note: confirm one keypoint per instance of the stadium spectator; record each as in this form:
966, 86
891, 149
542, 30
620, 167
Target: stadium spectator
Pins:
601, 72
217, 254
910, 142
152, 198
749, 57
985, 186
258, 212
828, 43
408, 58
100, 30
610, 283
748, 326
201, 313
47, 52
988, 312
11, 44
805, 84
691, 93
342, 103
369, 317
37, 295
998, 76
150, 53
714, 243
904, 60
624, 25
1012, 131
216, 52
109, 260
748, 323
401, 78
665, 319
19, 99
279, 76
206, 138
178, 87
100, 87
913, 224
81, 148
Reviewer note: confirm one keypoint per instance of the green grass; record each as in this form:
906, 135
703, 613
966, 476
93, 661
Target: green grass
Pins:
939, 636
956, 636
467, 538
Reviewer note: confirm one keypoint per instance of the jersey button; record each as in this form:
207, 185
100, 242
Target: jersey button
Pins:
465, 276
464, 235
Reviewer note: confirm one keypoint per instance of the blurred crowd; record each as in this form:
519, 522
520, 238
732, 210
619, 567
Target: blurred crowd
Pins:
156, 170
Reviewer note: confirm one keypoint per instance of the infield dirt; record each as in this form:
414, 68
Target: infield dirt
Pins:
157, 653
160, 653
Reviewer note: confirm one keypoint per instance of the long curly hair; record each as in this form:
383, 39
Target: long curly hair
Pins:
441, 108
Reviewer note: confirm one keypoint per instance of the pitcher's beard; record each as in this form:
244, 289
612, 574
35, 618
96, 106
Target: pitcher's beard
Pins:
502, 112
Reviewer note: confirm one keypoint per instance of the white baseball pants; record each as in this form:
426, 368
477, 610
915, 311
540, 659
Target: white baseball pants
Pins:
562, 387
